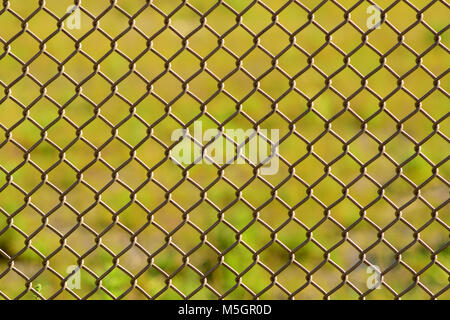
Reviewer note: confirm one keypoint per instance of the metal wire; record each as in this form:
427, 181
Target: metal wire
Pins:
306, 274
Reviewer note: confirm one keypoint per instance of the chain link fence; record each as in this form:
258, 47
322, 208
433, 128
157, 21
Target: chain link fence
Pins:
114, 115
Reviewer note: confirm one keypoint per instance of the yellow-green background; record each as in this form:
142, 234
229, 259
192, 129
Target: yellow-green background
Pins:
27, 133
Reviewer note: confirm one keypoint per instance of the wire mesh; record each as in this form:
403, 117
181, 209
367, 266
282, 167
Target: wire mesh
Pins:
94, 205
